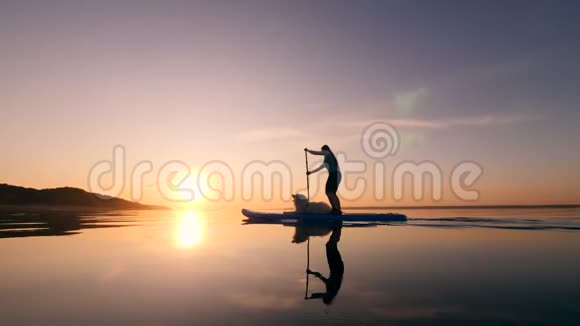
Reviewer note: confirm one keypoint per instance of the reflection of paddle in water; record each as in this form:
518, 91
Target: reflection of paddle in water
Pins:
336, 266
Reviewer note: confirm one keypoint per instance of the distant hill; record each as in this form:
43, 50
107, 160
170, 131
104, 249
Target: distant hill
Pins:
65, 196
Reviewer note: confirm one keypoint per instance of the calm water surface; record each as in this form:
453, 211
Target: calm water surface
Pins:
509, 266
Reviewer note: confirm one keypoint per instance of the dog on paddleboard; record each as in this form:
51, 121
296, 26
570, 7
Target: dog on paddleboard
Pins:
302, 205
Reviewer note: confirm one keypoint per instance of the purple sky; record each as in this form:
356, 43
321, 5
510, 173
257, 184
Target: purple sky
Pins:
495, 82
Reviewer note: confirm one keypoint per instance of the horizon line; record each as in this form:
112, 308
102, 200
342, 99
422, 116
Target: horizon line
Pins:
508, 206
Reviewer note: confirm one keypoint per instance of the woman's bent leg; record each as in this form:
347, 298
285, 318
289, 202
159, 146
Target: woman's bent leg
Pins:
331, 188
337, 203
334, 202
331, 201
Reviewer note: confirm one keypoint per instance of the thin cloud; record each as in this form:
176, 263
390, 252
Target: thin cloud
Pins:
475, 121
287, 134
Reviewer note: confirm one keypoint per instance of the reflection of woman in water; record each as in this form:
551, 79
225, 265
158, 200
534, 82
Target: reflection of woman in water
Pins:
336, 266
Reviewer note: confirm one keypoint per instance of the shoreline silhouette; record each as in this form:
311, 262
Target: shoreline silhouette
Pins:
14, 197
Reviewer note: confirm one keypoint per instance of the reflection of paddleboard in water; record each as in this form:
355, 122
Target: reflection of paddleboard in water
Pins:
359, 217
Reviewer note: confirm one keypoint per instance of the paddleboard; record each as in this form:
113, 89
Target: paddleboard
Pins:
359, 217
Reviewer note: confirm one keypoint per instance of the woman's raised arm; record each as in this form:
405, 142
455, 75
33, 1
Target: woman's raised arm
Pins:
315, 152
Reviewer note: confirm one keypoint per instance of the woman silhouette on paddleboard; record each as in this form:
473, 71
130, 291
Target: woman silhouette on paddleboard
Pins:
334, 176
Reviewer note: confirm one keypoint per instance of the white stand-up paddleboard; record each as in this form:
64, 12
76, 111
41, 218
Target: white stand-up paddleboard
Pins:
359, 217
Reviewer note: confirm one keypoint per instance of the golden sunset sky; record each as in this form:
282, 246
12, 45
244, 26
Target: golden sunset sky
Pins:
244, 81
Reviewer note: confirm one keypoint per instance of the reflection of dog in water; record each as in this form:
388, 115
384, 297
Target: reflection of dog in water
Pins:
303, 232
303, 206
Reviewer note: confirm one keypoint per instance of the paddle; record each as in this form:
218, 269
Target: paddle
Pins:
308, 243
307, 267
307, 176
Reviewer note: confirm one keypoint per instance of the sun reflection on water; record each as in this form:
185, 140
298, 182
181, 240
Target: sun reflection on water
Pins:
190, 229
